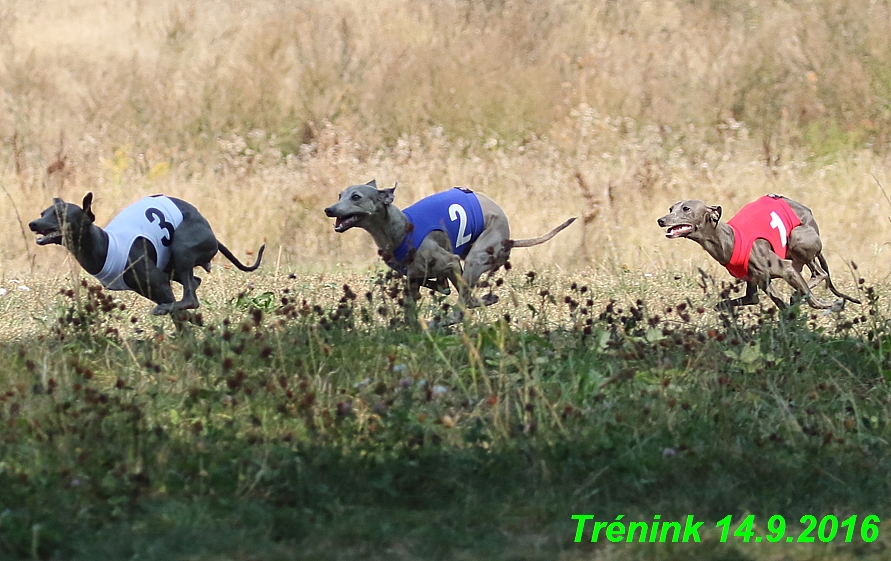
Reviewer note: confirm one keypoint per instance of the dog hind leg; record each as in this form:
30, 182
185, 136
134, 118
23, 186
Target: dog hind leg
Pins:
194, 245
788, 273
487, 255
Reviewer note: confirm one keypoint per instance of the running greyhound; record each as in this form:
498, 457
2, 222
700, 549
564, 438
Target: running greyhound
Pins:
427, 241
773, 237
149, 243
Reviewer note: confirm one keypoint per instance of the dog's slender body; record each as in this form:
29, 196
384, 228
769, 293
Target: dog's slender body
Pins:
190, 243
695, 220
433, 261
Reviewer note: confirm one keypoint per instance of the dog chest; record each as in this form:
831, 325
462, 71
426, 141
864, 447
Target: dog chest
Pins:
153, 218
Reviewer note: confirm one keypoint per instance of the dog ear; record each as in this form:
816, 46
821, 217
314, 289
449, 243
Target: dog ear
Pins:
88, 206
714, 213
372, 183
386, 196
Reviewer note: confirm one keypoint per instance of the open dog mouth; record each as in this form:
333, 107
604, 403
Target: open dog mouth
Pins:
48, 236
344, 223
679, 231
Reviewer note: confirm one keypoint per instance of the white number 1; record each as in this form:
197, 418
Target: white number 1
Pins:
457, 212
777, 224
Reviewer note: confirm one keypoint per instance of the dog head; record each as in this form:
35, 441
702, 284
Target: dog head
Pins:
357, 203
687, 218
63, 222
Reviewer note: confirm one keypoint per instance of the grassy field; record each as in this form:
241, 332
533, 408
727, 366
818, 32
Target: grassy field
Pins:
304, 419
300, 416
259, 113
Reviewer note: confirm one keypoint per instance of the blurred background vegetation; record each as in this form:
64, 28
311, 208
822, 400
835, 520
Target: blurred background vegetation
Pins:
176, 75
609, 110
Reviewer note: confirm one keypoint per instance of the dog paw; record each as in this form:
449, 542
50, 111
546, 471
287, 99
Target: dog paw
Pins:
455, 316
440, 327
837, 306
489, 299
438, 285
162, 309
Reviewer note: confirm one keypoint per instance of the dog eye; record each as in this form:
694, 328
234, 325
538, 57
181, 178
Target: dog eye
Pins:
686, 209
355, 197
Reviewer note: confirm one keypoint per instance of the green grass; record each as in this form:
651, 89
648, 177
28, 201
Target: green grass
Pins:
330, 429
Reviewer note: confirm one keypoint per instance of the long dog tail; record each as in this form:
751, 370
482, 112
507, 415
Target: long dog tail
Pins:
542, 239
829, 280
225, 251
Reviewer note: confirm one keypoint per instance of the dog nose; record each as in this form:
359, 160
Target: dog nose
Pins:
661, 221
329, 212
33, 225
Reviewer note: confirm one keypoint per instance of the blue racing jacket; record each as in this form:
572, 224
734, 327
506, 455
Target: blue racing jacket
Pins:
457, 212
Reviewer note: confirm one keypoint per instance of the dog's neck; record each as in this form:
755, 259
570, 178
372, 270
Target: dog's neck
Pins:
387, 228
89, 245
717, 241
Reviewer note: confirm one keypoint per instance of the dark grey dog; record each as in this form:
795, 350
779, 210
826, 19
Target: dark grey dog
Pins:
460, 225
742, 245
149, 243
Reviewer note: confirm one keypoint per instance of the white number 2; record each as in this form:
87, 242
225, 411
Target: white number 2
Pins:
457, 212
777, 224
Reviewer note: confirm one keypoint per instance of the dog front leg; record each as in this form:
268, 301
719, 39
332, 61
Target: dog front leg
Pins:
775, 295
410, 302
452, 273
144, 277
750, 297
152, 283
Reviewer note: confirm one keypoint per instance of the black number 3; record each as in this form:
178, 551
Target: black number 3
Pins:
163, 224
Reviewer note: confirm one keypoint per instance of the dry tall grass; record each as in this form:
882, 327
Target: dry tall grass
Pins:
260, 112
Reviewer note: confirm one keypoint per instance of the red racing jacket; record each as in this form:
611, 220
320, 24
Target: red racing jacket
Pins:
769, 217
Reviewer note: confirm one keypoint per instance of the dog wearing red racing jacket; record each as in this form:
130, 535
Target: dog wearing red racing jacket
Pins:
772, 237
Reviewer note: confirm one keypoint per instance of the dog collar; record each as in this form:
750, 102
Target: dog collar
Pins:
399, 259
400, 254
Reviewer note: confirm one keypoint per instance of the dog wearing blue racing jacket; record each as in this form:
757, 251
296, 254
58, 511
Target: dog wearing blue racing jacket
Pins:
427, 241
